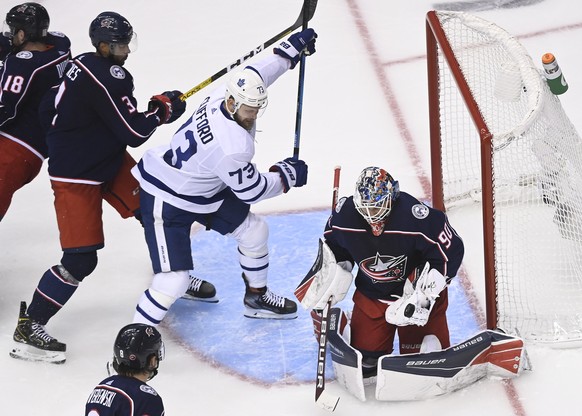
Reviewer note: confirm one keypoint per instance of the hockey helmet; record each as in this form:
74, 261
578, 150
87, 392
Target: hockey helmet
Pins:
31, 18
375, 191
112, 28
246, 87
134, 346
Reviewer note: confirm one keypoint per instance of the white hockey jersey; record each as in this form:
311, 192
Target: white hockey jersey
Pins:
209, 154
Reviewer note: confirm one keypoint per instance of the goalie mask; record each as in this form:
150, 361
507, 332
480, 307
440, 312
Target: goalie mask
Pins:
246, 87
375, 192
134, 346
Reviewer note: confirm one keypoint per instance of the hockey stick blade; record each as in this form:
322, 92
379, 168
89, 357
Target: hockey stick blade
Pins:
327, 401
307, 11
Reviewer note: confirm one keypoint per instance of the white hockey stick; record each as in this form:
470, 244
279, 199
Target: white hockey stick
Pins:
323, 398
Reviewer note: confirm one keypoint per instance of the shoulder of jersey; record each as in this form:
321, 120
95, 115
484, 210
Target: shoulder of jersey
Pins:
102, 68
26, 55
340, 203
148, 389
58, 34
418, 210
59, 40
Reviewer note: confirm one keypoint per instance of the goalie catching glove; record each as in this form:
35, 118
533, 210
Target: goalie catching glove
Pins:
298, 44
418, 299
168, 106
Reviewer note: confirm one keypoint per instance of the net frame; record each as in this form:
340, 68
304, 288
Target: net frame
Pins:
488, 132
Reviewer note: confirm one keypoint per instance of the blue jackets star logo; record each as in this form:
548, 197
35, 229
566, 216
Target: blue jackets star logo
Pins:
384, 268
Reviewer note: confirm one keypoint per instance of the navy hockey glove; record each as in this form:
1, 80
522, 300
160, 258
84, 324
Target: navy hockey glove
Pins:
5, 46
293, 173
297, 44
167, 106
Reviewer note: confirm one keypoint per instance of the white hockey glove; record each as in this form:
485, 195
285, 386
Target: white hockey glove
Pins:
417, 300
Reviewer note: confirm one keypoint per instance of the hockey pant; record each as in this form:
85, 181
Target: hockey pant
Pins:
19, 165
374, 337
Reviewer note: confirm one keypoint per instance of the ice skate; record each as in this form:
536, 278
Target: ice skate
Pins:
262, 303
200, 290
33, 343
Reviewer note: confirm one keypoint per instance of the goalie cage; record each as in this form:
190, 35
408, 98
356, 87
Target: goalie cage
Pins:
505, 154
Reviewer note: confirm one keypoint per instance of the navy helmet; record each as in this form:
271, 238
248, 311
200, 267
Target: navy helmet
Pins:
134, 346
110, 27
31, 18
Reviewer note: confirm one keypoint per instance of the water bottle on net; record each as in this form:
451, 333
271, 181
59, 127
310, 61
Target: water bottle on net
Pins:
553, 73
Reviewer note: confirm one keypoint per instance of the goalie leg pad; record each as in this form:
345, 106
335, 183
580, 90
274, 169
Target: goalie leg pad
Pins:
426, 375
325, 278
347, 361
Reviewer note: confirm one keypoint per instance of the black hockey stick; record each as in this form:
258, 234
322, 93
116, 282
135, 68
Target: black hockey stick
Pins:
300, 93
323, 398
306, 14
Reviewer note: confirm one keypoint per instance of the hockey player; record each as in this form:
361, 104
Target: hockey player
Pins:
406, 253
206, 175
137, 352
34, 59
389, 234
93, 119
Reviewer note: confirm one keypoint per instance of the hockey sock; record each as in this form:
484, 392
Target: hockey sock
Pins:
152, 307
52, 292
255, 269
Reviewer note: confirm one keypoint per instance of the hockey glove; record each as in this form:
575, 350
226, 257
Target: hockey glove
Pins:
293, 173
298, 44
167, 106
417, 300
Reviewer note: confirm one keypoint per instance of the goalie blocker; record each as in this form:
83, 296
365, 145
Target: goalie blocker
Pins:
326, 278
425, 375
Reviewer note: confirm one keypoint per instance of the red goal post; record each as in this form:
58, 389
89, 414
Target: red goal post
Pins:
506, 156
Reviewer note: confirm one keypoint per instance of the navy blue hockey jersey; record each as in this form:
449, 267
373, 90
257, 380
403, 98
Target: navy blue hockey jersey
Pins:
413, 234
124, 396
25, 78
96, 119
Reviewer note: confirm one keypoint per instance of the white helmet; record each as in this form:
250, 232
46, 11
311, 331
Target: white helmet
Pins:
246, 87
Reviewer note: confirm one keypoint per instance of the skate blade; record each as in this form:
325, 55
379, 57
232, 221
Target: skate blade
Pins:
29, 353
263, 314
213, 299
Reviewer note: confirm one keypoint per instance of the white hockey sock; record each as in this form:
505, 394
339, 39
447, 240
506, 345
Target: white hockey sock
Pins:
152, 307
255, 269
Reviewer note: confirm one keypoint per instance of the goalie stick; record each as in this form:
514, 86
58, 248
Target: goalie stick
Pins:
323, 398
307, 12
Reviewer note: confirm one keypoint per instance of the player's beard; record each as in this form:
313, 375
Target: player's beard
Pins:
247, 123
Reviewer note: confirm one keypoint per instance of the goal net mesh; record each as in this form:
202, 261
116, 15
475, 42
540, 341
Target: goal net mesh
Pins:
536, 176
